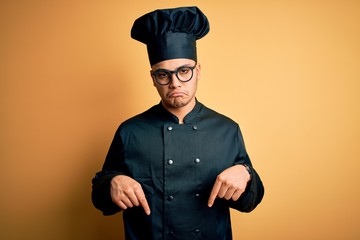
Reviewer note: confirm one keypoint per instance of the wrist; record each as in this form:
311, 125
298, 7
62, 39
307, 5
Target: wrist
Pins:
248, 169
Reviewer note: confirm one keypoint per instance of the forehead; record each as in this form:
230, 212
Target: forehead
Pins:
173, 64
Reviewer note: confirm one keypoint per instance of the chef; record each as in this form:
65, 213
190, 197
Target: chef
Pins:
176, 169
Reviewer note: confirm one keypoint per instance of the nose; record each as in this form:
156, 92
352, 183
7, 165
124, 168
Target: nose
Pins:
174, 81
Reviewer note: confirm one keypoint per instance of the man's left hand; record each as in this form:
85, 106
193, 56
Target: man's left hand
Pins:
230, 184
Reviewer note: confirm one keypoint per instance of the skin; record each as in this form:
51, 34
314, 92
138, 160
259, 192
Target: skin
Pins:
179, 99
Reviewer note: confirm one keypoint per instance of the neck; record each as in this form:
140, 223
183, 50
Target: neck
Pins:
181, 112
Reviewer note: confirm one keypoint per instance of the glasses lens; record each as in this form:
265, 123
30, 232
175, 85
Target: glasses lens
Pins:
184, 73
162, 77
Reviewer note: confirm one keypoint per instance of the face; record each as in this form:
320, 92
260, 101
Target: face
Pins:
177, 94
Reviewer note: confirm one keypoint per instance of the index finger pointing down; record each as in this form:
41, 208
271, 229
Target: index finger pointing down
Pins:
143, 202
214, 193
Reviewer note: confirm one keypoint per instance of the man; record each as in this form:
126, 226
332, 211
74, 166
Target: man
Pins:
177, 168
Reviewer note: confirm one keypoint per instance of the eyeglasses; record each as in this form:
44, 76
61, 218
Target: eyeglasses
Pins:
183, 73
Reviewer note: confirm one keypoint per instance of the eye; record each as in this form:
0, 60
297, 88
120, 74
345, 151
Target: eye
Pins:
183, 70
161, 75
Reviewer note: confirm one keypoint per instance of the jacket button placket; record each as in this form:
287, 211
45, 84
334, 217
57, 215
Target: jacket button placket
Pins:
168, 164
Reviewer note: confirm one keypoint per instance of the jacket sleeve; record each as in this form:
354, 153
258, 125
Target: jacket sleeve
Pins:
113, 166
254, 191
252, 196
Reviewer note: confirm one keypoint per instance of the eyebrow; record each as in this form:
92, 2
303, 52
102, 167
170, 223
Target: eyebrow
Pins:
163, 69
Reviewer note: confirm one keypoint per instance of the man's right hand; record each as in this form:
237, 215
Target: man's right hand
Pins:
127, 193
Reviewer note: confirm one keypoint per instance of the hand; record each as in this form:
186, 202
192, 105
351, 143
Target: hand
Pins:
230, 184
126, 193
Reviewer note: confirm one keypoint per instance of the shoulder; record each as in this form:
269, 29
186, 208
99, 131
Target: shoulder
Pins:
144, 116
211, 115
141, 119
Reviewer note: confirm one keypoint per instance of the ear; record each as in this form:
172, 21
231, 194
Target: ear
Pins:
152, 77
198, 70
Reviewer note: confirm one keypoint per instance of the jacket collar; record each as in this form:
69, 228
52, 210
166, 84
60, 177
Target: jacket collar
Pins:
189, 118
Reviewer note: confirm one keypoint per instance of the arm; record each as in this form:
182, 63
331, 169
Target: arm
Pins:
113, 189
100, 195
252, 196
243, 188
113, 166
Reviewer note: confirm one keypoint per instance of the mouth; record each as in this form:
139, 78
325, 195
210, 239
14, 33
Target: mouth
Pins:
176, 94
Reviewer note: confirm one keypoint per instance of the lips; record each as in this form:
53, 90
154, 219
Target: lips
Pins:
176, 94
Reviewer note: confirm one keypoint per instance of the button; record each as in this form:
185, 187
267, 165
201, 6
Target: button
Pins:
170, 198
197, 160
169, 128
197, 195
170, 161
195, 127
197, 231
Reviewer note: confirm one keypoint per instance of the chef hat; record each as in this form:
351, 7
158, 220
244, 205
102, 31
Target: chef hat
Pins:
171, 33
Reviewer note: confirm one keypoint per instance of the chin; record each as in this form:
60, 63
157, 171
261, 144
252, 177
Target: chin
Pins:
177, 102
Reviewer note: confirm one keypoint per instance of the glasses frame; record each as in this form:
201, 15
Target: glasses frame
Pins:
170, 73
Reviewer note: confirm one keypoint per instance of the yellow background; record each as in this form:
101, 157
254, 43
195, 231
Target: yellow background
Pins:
287, 71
